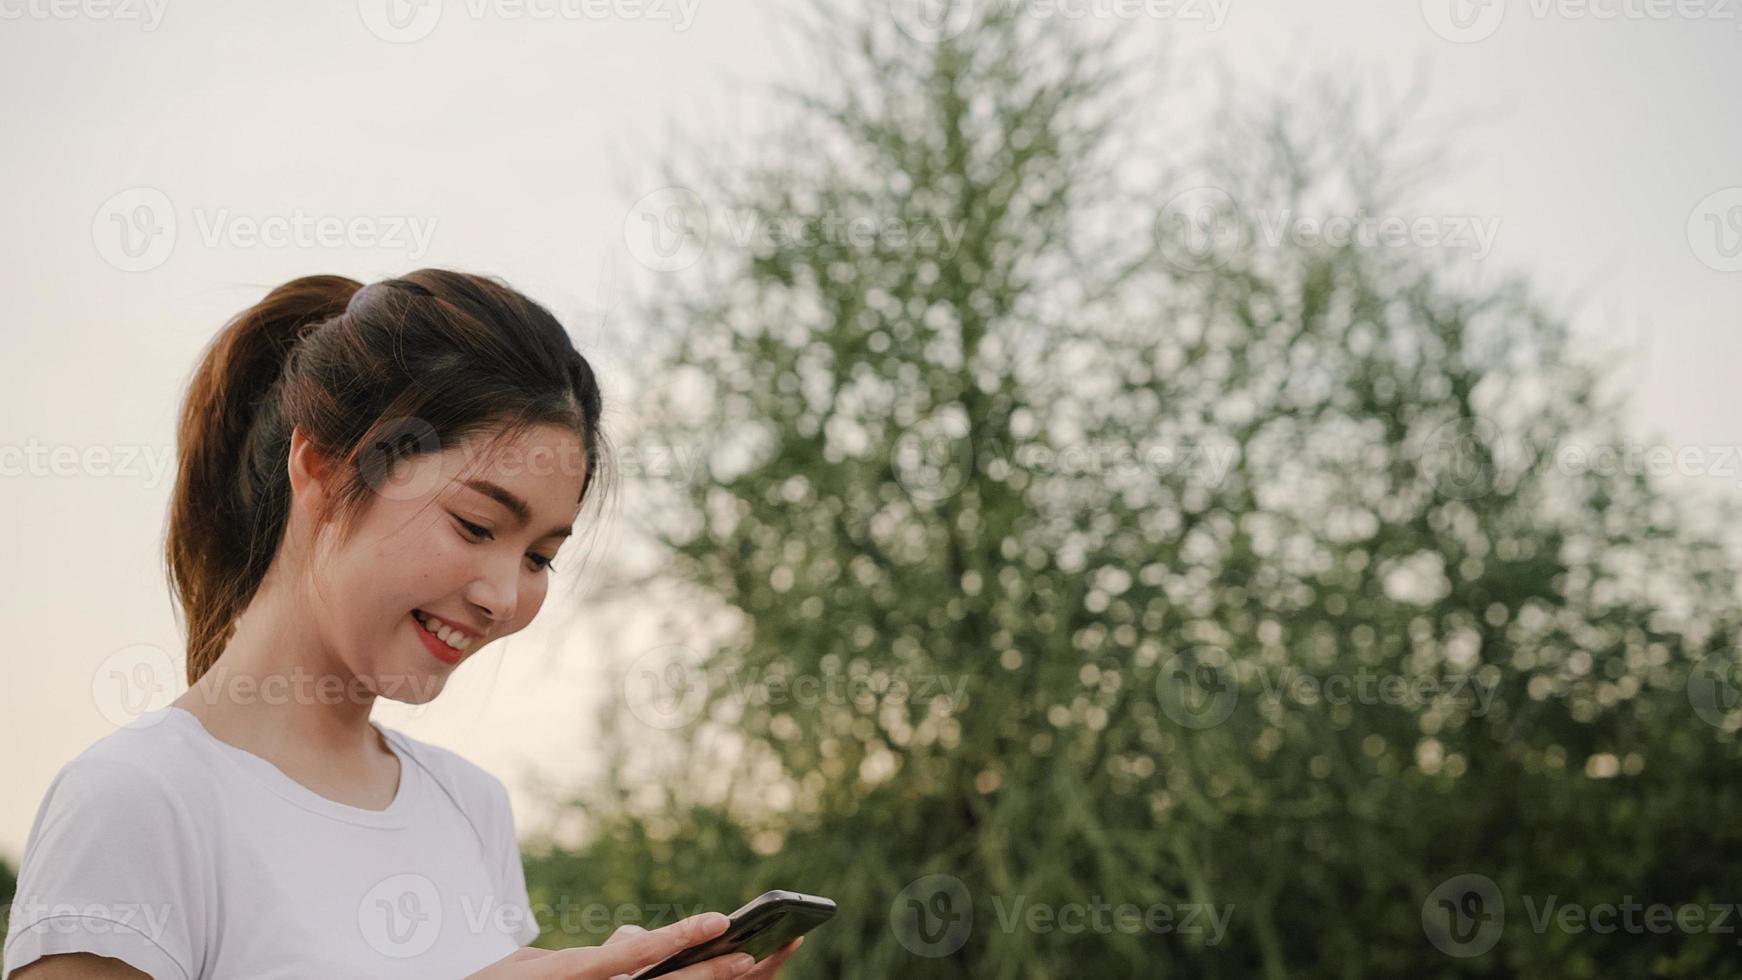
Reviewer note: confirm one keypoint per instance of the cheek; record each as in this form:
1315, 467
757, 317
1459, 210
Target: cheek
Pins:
434, 559
395, 564
531, 599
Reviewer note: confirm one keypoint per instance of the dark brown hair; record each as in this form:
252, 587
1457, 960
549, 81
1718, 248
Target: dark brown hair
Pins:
372, 375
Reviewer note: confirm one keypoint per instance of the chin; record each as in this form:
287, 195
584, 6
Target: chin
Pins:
409, 687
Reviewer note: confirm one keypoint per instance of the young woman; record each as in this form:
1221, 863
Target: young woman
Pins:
373, 484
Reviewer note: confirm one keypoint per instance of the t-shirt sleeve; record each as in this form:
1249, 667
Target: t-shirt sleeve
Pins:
510, 873
111, 868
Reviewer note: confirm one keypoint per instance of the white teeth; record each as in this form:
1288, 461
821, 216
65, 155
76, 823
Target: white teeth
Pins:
452, 637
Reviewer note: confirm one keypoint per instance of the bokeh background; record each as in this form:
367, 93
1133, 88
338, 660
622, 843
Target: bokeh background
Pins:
1204, 488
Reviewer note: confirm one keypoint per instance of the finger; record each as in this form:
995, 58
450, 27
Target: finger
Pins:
766, 969
624, 932
727, 967
635, 952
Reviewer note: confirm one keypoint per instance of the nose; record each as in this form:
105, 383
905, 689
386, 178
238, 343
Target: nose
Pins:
494, 591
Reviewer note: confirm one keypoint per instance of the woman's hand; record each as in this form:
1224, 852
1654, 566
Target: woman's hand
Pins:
768, 969
628, 951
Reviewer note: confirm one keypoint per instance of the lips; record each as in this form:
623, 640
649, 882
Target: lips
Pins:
434, 644
466, 635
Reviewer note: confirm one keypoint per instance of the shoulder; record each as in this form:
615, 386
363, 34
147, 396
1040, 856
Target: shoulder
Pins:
117, 860
141, 797
149, 768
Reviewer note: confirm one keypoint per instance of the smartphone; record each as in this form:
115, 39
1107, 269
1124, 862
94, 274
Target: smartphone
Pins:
766, 923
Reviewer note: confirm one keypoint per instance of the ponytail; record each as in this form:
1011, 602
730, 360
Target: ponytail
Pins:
232, 489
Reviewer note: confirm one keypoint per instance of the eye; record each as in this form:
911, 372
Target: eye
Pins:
539, 562
474, 530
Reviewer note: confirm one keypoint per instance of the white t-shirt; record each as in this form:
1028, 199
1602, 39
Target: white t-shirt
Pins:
190, 858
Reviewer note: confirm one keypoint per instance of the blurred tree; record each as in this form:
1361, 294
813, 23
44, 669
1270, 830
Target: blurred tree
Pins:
1043, 526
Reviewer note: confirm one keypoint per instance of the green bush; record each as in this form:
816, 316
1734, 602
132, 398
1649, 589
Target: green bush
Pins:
1072, 670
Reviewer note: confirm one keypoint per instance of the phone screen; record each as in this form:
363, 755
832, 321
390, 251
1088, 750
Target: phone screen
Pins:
761, 927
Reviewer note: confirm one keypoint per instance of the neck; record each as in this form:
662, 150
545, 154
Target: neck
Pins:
278, 685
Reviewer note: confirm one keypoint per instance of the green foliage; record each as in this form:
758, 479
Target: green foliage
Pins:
8, 890
1075, 669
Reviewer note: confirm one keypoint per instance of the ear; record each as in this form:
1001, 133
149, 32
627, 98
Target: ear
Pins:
311, 471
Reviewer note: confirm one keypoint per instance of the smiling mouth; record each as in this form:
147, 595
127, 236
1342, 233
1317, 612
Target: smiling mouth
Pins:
432, 642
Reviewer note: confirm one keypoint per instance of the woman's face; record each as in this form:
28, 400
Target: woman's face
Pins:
458, 542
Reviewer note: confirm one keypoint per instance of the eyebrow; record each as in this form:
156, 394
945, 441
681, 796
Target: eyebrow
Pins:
516, 506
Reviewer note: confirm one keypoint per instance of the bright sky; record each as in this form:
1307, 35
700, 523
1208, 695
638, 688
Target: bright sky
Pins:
1601, 145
